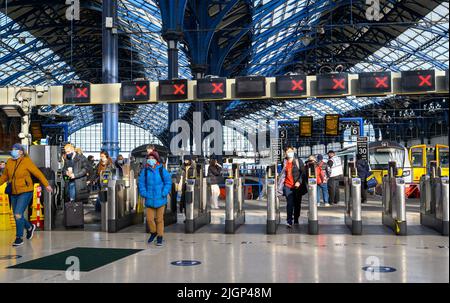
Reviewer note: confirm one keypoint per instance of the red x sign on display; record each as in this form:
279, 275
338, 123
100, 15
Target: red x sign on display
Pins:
218, 88
338, 83
141, 90
381, 82
179, 89
297, 85
82, 92
425, 80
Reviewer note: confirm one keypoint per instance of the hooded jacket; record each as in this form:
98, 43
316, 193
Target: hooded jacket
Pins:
152, 187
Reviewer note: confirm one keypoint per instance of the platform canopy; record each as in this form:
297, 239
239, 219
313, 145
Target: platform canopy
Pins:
39, 46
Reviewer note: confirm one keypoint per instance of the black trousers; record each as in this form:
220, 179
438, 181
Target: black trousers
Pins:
364, 188
333, 189
297, 205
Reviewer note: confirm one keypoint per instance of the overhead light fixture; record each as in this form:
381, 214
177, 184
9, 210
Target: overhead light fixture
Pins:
13, 111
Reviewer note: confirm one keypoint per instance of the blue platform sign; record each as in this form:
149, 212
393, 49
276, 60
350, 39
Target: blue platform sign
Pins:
382, 269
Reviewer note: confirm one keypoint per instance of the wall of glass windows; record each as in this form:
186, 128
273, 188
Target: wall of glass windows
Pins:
89, 139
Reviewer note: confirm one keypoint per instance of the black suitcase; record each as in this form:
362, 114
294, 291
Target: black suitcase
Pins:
73, 214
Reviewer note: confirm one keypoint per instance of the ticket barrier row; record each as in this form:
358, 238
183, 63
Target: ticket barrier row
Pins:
234, 213
394, 201
434, 204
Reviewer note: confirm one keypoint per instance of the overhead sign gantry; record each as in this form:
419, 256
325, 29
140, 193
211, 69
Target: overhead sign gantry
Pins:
297, 86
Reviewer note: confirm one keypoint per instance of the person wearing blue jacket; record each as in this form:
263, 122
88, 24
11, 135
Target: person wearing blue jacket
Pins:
155, 184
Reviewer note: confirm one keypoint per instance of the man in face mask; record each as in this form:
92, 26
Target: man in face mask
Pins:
76, 169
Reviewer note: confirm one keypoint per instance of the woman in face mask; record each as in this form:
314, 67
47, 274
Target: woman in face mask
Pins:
155, 184
119, 164
289, 183
18, 173
105, 163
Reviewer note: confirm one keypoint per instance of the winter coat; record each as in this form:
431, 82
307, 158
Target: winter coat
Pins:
363, 169
22, 181
297, 172
214, 174
80, 168
152, 187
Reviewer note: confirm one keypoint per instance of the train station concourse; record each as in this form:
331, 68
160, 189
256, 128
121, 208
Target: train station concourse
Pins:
266, 142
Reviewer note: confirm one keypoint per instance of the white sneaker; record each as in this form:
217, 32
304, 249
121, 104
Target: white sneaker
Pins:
327, 205
319, 204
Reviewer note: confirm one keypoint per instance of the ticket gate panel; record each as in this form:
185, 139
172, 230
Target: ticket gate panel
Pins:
353, 205
234, 215
273, 210
394, 205
197, 214
313, 222
434, 204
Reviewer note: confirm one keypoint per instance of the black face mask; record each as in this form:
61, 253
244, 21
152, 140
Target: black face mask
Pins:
69, 156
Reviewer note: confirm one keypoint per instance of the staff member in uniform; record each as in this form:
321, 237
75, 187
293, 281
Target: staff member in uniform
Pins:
18, 173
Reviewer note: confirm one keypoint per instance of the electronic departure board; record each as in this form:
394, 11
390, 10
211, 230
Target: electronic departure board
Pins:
305, 126
375, 83
76, 93
212, 88
176, 89
290, 85
135, 91
251, 86
331, 125
332, 84
418, 81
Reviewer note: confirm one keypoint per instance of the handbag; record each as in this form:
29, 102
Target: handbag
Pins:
8, 189
371, 181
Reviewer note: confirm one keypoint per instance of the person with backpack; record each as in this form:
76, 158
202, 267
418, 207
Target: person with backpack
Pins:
214, 176
18, 172
337, 172
155, 184
322, 189
289, 183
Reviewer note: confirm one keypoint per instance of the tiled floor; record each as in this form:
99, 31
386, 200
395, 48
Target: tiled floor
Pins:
250, 255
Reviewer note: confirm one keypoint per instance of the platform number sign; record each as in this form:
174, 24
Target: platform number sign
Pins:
176, 89
418, 81
291, 85
276, 146
212, 88
78, 93
362, 147
133, 91
332, 84
354, 130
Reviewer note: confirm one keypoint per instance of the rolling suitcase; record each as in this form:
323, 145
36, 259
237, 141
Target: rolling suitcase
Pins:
73, 214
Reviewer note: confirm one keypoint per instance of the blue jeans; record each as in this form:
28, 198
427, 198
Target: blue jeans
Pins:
72, 190
324, 189
19, 204
290, 198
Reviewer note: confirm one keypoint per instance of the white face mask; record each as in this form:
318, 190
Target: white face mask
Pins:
290, 155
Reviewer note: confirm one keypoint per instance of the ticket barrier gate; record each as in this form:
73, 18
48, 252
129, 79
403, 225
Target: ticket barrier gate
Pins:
119, 199
434, 204
234, 213
273, 203
313, 221
197, 212
352, 187
394, 201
